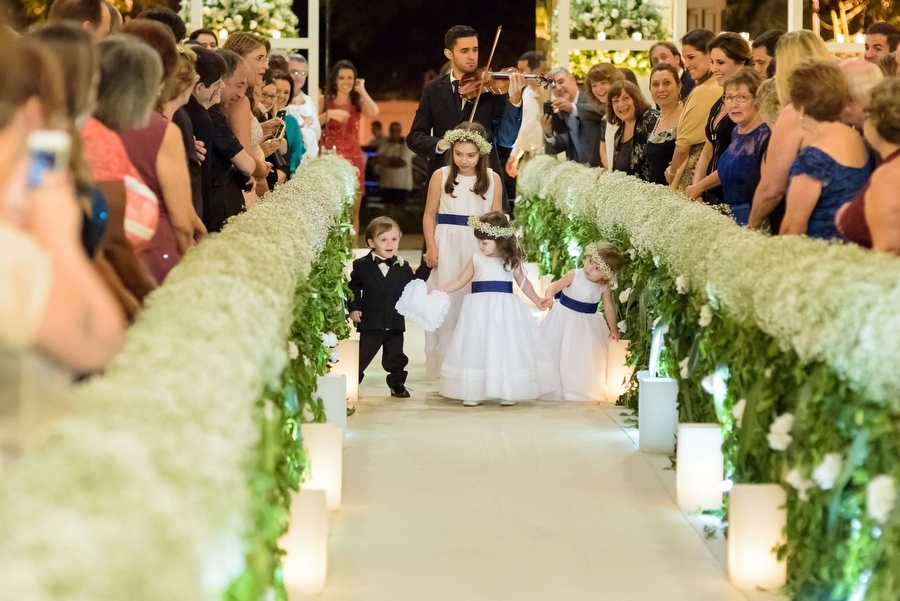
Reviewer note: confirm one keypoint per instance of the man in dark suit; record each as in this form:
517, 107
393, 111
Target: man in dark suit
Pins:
377, 281
574, 125
442, 106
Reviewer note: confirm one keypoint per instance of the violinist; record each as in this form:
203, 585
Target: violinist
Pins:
445, 104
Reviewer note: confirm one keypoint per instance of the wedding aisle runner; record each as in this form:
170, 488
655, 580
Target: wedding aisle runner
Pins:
538, 502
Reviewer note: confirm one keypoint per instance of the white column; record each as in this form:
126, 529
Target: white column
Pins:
679, 19
795, 15
563, 43
196, 13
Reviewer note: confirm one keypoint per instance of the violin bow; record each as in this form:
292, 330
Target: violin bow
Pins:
486, 71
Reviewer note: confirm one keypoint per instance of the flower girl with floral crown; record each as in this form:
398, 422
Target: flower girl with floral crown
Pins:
577, 335
497, 351
465, 187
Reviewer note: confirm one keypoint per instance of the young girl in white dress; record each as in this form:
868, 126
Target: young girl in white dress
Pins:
497, 351
465, 187
577, 335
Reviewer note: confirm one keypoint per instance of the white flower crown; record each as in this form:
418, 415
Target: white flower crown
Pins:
467, 135
590, 252
494, 231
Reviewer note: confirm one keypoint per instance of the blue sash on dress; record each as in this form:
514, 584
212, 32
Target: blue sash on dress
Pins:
575, 305
451, 219
492, 286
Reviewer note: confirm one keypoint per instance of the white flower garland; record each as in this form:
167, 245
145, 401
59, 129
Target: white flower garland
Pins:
452, 136
143, 486
495, 231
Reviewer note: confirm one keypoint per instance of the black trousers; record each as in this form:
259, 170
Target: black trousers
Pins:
393, 360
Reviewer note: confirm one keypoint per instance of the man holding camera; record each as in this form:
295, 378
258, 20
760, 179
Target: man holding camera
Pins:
570, 124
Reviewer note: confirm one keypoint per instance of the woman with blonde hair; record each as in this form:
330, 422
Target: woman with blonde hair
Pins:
788, 137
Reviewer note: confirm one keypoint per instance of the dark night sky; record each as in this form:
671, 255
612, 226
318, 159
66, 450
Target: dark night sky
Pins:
393, 42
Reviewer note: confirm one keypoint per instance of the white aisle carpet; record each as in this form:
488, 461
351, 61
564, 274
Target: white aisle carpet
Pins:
539, 501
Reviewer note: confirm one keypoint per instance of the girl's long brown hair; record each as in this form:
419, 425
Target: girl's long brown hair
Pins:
510, 251
482, 177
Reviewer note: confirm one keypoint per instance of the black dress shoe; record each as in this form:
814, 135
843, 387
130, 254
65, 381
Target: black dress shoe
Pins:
400, 392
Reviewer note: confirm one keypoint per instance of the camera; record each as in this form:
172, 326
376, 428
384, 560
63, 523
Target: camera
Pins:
548, 108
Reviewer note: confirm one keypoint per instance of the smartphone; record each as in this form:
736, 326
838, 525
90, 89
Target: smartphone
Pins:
548, 108
279, 133
48, 151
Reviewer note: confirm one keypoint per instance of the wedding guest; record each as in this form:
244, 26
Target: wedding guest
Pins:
293, 147
167, 17
530, 138
888, 65
91, 15
739, 165
728, 52
835, 164
574, 125
303, 107
345, 102
763, 49
861, 77
115, 17
396, 180
263, 110
788, 136
872, 219
129, 72
691, 134
667, 52
881, 39
767, 100
635, 120
206, 38
665, 88
210, 67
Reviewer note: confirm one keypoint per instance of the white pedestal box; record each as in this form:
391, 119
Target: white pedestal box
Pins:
699, 467
324, 445
305, 563
332, 388
657, 414
348, 364
756, 519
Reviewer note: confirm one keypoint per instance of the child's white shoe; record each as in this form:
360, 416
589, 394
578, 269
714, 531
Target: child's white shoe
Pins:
506, 403
472, 403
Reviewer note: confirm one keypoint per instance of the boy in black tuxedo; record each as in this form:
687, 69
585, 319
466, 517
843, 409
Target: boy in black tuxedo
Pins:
377, 281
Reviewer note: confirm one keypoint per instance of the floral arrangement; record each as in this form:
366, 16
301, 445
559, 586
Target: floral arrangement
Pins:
271, 18
170, 474
613, 20
452, 136
786, 342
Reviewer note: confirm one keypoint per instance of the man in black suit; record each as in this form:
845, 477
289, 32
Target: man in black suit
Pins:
377, 281
442, 107
574, 125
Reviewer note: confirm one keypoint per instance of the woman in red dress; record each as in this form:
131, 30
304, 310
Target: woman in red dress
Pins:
346, 101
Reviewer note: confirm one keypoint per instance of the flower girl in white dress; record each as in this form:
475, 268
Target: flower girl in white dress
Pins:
497, 351
577, 335
465, 187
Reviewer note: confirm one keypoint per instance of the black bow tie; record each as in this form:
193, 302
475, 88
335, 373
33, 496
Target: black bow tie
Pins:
379, 260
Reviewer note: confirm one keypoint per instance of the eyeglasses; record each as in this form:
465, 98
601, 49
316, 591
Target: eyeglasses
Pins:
267, 96
739, 98
296, 72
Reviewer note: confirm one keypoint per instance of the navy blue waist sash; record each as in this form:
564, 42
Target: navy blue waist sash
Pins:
451, 219
492, 286
575, 305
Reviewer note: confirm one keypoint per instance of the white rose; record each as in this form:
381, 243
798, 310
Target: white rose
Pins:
253, 24
827, 472
632, 253
768, 372
314, 295
881, 495
293, 351
625, 23
656, 261
614, 13
622, 326
685, 372
680, 285
329, 340
334, 356
708, 384
783, 424
737, 412
705, 316
798, 482
625, 295
238, 19
779, 432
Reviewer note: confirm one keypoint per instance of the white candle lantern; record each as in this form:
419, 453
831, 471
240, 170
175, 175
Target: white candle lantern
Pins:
324, 450
756, 519
348, 364
332, 389
617, 373
657, 414
305, 563
699, 468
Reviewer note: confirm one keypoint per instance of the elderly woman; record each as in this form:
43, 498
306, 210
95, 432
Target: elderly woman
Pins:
631, 114
665, 87
692, 121
788, 137
835, 165
738, 170
872, 219
728, 52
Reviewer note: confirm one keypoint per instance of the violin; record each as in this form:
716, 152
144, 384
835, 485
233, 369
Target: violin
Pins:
495, 82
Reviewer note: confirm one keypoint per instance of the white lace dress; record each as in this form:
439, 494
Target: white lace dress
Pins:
497, 350
578, 337
456, 245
